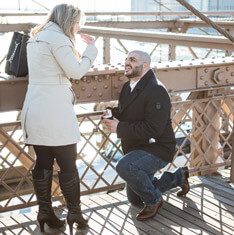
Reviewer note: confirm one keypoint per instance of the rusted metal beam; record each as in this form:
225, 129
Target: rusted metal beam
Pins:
201, 41
174, 39
159, 24
25, 27
103, 83
154, 24
12, 93
199, 23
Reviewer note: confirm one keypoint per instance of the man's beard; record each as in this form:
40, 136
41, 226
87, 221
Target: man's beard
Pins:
136, 72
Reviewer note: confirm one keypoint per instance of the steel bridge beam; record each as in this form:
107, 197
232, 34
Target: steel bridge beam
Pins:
173, 39
156, 24
201, 41
104, 83
159, 24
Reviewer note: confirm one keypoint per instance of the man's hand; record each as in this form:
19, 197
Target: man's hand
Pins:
111, 124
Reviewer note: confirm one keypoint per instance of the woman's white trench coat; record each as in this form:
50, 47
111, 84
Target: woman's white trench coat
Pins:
48, 116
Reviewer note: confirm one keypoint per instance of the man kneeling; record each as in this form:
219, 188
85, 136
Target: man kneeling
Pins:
142, 122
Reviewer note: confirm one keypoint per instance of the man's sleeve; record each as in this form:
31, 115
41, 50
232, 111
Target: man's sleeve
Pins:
116, 112
157, 112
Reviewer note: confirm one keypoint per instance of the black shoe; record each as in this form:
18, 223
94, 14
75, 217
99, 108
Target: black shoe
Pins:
42, 181
185, 187
70, 186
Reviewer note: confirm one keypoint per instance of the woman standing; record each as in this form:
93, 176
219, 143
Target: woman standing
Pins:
48, 118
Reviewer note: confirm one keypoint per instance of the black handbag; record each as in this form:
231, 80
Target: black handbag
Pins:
16, 61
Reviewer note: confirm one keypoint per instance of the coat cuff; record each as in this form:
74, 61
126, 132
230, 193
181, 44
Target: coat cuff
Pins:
122, 129
90, 53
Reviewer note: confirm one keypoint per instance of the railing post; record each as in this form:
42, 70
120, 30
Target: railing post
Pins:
232, 160
106, 50
205, 136
172, 52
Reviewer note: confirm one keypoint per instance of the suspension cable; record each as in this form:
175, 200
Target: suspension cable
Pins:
207, 20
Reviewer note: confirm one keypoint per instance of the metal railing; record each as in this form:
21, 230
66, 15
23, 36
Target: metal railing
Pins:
203, 129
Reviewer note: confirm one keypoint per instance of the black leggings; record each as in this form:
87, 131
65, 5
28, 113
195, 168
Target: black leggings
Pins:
64, 155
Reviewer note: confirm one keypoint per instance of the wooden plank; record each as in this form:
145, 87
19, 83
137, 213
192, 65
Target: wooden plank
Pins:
97, 222
23, 222
188, 226
223, 182
205, 202
227, 173
130, 212
194, 208
104, 216
207, 209
212, 187
12, 226
216, 190
32, 217
221, 188
201, 189
108, 211
193, 219
226, 182
219, 177
113, 207
168, 220
193, 215
4, 228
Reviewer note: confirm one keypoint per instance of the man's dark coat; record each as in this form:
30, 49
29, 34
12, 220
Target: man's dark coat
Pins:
144, 116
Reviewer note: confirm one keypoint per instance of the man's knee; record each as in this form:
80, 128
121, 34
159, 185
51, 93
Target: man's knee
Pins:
122, 167
119, 167
126, 168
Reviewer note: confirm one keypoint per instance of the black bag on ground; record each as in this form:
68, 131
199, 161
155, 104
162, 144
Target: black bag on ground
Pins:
16, 61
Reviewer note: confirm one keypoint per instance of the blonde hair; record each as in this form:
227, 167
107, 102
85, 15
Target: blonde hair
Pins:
65, 16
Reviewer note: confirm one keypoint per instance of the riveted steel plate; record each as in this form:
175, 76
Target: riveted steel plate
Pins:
214, 76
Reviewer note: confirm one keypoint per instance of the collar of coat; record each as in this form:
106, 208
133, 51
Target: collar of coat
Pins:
52, 33
127, 98
149, 76
52, 27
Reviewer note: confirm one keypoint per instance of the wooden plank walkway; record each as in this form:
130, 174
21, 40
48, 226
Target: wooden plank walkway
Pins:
207, 209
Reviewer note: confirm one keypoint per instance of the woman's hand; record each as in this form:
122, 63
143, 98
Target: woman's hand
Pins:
87, 38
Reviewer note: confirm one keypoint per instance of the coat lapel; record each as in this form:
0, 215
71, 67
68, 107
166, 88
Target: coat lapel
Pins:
127, 98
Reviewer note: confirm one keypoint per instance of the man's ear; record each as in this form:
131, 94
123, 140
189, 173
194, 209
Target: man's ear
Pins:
145, 66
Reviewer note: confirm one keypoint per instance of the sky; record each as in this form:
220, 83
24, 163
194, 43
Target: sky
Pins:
85, 5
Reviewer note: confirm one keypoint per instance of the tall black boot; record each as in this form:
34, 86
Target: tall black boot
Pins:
42, 181
70, 186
